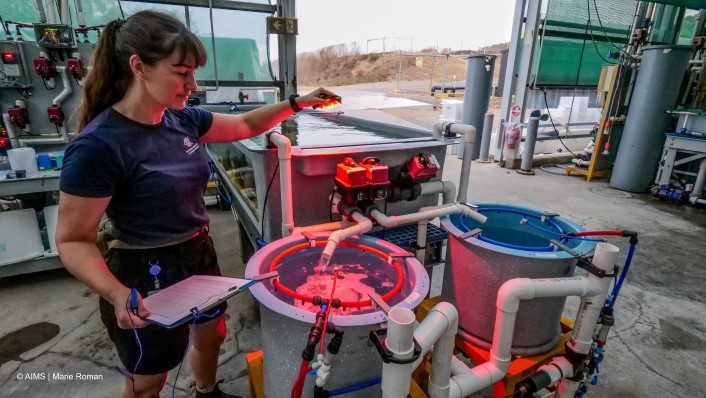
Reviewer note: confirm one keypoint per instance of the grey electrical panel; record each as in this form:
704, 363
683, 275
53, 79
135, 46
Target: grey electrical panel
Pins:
13, 68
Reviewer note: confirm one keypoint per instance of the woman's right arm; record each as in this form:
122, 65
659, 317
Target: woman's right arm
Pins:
76, 242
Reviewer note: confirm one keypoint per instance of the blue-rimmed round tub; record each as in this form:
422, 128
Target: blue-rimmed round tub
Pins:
515, 242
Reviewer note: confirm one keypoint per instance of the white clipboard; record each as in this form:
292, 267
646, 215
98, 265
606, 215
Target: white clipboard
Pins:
179, 303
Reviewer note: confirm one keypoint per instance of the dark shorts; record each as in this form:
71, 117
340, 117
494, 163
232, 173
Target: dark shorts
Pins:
162, 349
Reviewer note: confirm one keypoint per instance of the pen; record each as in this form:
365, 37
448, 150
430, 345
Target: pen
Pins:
133, 301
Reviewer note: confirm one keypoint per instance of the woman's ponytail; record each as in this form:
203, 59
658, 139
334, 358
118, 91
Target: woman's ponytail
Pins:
108, 79
150, 35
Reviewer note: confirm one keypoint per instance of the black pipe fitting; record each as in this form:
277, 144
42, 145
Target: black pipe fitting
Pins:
532, 384
347, 210
631, 234
335, 344
404, 192
319, 392
607, 317
314, 336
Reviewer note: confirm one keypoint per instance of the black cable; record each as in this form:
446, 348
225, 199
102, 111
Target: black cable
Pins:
26, 132
264, 204
45, 84
4, 27
598, 16
122, 14
546, 103
593, 40
330, 205
56, 126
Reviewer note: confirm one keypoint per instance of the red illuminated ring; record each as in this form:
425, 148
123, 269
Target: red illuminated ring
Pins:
351, 304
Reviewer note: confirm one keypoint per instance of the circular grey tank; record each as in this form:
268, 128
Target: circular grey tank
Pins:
513, 243
364, 265
656, 90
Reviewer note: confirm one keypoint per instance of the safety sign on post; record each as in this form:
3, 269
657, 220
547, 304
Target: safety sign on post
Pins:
516, 110
282, 26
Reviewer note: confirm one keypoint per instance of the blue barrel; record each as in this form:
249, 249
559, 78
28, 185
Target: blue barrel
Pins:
515, 242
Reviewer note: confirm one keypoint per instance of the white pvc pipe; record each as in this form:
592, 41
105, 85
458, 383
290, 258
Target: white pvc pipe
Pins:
469, 140
422, 240
557, 369
10, 130
67, 86
79, 12
580, 162
440, 378
284, 154
64, 4
593, 291
581, 338
363, 225
51, 12
331, 226
399, 340
566, 389
700, 180
447, 188
426, 213
39, 6
442, 320
469, 136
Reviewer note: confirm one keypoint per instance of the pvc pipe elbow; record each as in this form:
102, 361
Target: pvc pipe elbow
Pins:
512, 291
283, 144
67, 86
467, 211
450, 313
382, 219
469, 136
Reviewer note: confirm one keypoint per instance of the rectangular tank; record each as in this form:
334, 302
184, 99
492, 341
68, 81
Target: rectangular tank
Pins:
319, 142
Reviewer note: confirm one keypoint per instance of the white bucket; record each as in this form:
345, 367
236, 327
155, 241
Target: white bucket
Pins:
19, 236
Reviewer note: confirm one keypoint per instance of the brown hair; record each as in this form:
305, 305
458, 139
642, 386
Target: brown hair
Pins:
150, 35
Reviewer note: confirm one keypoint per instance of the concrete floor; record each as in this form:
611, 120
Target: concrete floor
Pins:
51, 322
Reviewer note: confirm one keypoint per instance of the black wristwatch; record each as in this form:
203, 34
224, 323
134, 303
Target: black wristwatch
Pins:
293, 103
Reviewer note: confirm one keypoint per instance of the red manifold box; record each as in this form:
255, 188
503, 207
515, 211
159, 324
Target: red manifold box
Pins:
423, 166
375, 173
351, 175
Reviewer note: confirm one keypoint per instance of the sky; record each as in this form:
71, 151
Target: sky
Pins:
455, 24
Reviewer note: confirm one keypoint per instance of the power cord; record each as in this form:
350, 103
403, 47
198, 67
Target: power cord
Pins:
598, 16
546, 103
197, 315
131, 376
264, 204
593, 39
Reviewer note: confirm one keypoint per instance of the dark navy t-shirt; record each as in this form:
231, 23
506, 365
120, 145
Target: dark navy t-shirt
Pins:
156, 174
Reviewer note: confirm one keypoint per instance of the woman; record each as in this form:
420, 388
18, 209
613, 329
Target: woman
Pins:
139, 159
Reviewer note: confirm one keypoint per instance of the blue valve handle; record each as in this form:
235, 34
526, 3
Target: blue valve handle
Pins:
133, 301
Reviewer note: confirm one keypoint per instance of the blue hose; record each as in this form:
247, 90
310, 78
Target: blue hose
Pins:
355, 387
619, 285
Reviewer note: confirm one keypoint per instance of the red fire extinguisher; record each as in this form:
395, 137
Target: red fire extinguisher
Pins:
512, 136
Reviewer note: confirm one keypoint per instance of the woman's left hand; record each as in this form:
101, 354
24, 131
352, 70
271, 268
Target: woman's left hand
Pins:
320, 97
